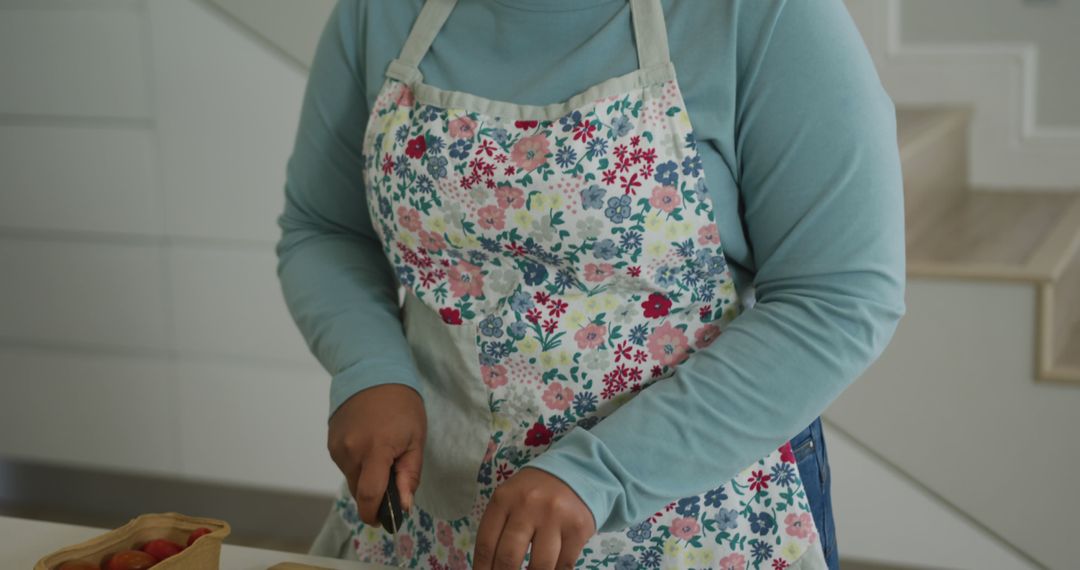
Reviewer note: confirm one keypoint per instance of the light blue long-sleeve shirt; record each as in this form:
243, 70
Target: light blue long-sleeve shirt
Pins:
798, 140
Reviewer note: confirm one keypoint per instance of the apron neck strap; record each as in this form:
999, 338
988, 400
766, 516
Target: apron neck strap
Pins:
650, 36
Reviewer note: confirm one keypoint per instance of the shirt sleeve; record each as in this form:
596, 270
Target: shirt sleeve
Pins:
337, 283
819, 174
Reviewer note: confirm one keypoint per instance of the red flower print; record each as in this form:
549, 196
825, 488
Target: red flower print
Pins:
623, 351
416, 147
538, 435
530, 152
634, 270
649, 155
515, 249
629, 184
465, 279
635, 140
685, 528
534, 315
550, 325
541, 297
665, 198
590, 336
759, 480
503, 473
786, 454
706, 335
557, 307
779, 564
704, 312
526, 124
668, 345
609, 176
487, 147
491, 217
656, 371
450, 315
583, 131
620, 151
509, 197
387, 164
656, 306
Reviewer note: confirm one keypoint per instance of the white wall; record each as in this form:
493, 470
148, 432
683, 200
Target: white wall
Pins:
142, 157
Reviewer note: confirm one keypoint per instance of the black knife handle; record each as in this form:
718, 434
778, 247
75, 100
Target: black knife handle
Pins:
390, 514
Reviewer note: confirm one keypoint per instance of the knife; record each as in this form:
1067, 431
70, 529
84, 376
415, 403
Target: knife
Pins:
390, 514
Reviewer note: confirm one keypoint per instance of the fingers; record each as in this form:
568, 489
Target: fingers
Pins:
571, 544
546, 544
513, 542
487, 535
371, 484
408, 476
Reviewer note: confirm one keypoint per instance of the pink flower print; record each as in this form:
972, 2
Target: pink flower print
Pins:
509, 197
667, 344
558, 397
465, 279
462, 128
491, 448
405, 97
530, 152
706, 335
456, 560
787, 455
409, 218
665, 198
598, 271
800, 525
590, 336
432, 241
444, 533
405, 546
685, 528
491, 217
733, 562
708, 233
494, 376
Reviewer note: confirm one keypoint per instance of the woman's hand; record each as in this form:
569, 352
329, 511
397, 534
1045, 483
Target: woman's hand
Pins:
375, 428
534, 507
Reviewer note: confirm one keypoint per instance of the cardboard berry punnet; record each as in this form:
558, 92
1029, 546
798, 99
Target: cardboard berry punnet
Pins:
203, 554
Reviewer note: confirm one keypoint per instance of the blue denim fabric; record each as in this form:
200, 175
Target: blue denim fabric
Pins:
813, 460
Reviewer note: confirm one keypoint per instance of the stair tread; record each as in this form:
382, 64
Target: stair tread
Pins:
1069, 359
913, 122
990, 228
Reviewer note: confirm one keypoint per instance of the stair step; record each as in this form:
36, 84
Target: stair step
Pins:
994, 234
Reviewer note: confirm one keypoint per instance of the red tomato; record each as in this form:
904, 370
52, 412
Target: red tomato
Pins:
130, 560
161, 548
78, 565
196, 534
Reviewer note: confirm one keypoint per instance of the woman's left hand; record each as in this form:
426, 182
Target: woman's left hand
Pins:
532, 507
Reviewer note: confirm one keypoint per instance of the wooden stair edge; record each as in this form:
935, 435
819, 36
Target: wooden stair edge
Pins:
930, 122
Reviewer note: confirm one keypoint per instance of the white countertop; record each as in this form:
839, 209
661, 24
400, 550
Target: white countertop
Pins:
23, 542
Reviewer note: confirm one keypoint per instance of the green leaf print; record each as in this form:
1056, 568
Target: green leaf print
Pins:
672, 111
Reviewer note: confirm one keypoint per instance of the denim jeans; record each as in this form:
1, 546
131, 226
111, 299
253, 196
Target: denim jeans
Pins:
813, 460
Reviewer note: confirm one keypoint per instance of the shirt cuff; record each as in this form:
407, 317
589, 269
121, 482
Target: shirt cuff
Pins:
364, 375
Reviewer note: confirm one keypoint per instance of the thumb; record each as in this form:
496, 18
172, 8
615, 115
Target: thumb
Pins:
408, 467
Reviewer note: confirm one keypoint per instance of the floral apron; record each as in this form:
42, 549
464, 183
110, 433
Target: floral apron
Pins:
556, 261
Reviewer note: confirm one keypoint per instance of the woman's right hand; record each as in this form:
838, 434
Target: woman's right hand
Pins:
373, 429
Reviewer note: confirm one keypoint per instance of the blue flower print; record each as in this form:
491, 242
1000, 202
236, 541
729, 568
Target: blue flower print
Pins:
401, 167
638, 333
424, 184
761, 523
566, 156
588, 423
783, 474
592, 198
491, 326
484, 476
626, 562
460, 149
518, 329
605, 249
621, 125
521, 302
405, 275
534, 273
558, 424
401, 134
425, 520
349, 513
701, 192
691, 165
570, 121
630, 240
596, 147
436, 166
435, 144
666, 275
618, 208
501, 136
384, 207
714, 497
429, 113
477, 257
727, 518
688, 507
387, 547
667, 173
761, 551
423, 545
487, 359
651, 557
584, 402
691, 141
640, 532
